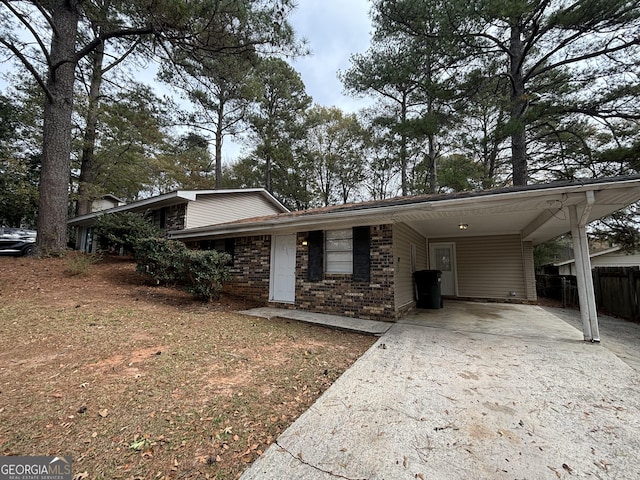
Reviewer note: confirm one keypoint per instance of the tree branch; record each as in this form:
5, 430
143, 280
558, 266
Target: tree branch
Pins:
28, 25
29, 66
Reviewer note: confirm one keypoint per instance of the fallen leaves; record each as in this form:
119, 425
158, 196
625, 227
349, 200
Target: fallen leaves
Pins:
176, 408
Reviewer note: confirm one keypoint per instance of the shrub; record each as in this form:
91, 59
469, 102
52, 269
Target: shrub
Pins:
123, 230
206, 272
201, 273
161, 259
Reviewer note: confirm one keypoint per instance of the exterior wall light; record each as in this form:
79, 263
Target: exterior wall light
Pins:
463, 226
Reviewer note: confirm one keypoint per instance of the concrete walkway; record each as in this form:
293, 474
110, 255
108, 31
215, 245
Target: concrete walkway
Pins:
345, 323
620, 336
473, 391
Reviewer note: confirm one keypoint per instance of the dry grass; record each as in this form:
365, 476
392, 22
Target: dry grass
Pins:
140, 382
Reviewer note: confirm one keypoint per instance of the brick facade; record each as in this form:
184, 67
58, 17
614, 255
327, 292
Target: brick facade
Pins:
250, 271
171, 217
333, 294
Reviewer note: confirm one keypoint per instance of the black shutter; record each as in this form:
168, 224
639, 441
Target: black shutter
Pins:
361, 255
316, 253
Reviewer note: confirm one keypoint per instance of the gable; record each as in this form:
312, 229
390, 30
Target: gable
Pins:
212, 209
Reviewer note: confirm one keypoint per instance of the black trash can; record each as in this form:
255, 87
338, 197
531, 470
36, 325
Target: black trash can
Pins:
428, 288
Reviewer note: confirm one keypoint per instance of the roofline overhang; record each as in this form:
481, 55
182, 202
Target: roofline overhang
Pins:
384, 214
172, 198
591, 255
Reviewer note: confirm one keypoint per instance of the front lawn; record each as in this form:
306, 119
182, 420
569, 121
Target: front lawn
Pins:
142, 382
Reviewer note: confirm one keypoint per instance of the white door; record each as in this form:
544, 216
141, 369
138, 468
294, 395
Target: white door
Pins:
443, 258
283, 268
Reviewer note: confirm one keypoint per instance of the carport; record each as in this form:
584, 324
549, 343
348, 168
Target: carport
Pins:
537, 214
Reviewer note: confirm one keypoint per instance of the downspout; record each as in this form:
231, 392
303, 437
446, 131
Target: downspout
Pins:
586, 295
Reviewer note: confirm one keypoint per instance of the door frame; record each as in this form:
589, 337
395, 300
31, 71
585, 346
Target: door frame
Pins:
274, 265
454, 263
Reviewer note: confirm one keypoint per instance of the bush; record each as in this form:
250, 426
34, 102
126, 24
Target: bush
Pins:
123, 230
169, 262
206, 272
78, 263
161, 259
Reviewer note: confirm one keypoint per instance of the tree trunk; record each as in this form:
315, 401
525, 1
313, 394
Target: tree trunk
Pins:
86, 186
219, 138
56, 141
433, 167
403, 145
518, 106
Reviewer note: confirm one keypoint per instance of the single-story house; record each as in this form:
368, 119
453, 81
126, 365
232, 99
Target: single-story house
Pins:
358, 259
611, 257
182, 209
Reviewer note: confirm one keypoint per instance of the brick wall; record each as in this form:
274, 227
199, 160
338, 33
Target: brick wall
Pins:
250, 269
174, 217
334, 294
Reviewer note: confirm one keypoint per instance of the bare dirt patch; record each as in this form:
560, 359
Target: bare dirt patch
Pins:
136, 381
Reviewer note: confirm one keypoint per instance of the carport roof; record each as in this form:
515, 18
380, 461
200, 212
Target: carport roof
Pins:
535, 212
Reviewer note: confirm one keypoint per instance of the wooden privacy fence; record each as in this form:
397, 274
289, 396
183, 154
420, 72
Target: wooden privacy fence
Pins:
617, 290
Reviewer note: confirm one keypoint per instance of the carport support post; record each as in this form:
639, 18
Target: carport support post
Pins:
586, 295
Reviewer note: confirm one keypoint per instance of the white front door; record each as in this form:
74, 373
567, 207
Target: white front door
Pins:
442, 256
283, 268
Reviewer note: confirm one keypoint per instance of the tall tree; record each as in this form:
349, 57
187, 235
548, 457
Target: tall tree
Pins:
561, 57
185, 164
130, 160
410, 74
221, 26
276, 117
333, 148
394, 77
219, 94
91, 73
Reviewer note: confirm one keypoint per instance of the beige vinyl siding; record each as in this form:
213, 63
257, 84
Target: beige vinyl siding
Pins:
403, 237
489, 267
529, 270
217, 208
617, 260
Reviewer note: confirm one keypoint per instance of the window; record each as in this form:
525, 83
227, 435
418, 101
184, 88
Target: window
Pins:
226, 245
339, 251
163, 218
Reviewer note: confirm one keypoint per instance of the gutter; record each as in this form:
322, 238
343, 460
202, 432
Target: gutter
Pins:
385, 213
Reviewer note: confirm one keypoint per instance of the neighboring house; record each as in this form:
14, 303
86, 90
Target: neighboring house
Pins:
183, 209
106, 202
612, 257
358, 259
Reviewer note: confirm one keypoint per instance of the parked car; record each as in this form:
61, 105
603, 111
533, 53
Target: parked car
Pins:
17, 241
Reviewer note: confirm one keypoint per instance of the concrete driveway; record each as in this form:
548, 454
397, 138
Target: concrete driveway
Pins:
473, 391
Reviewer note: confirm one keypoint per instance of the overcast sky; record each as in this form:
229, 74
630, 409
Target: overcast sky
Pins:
335, 29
